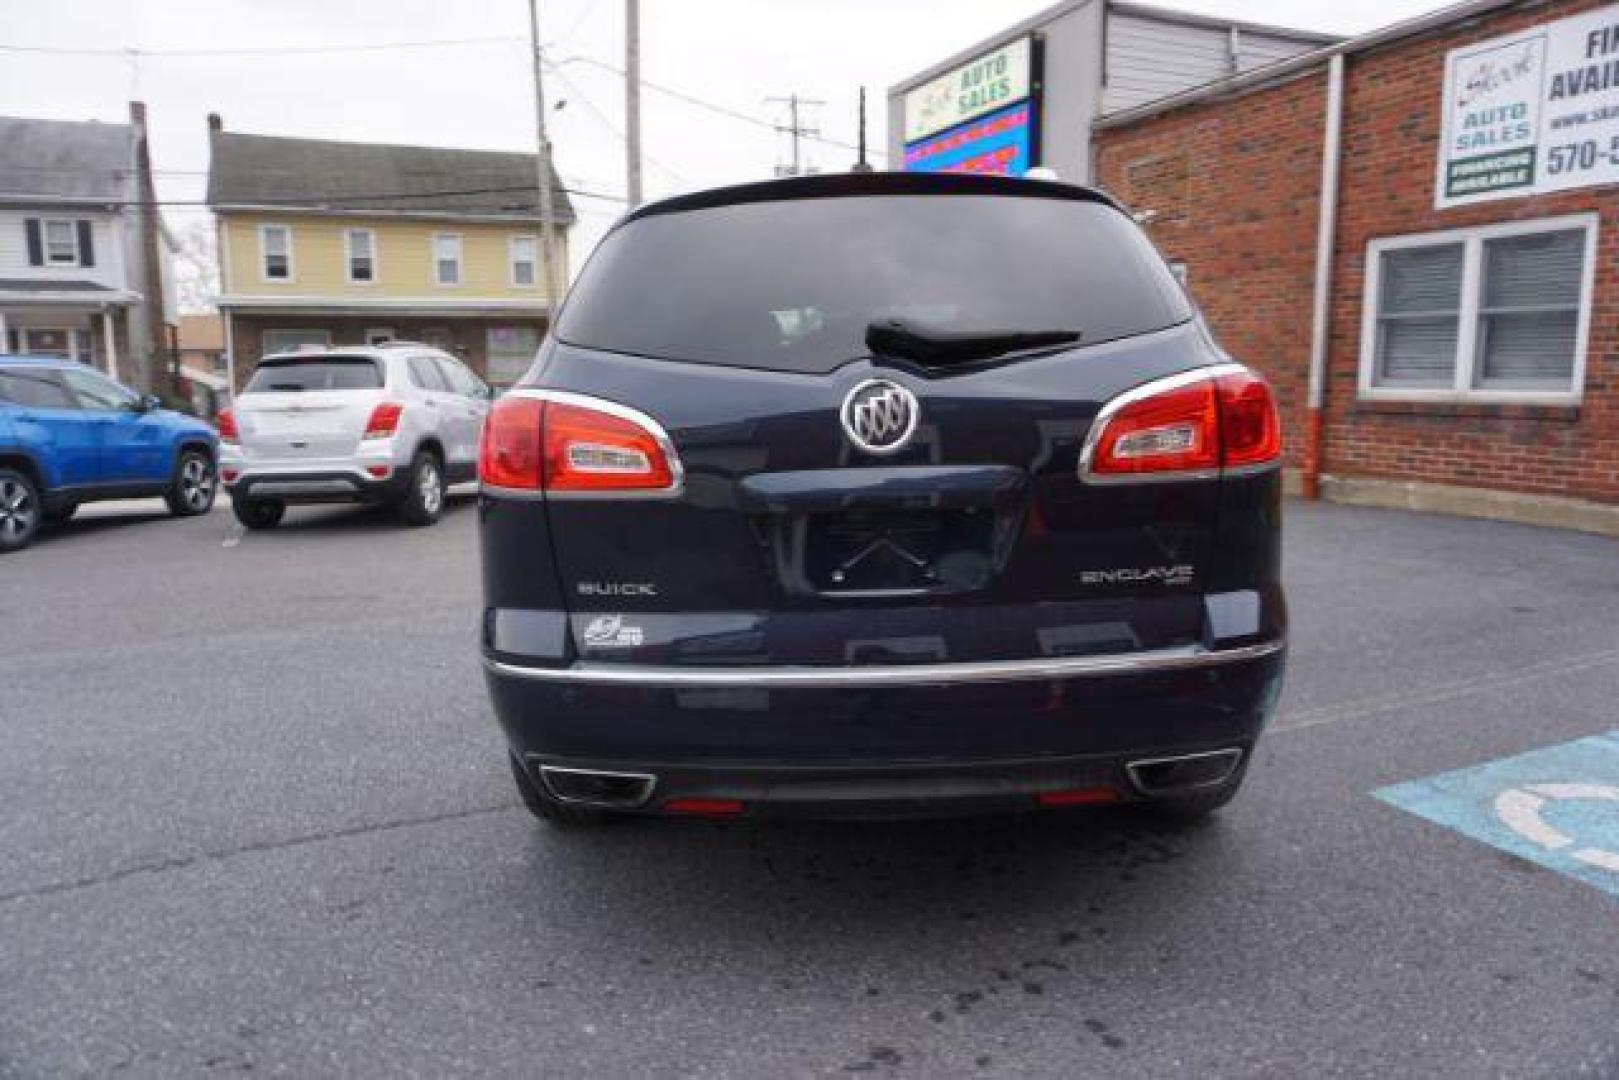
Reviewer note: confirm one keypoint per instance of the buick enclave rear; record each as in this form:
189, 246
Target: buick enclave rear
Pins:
881, 495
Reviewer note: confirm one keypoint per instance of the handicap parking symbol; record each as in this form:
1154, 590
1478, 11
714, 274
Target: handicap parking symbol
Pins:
1557, 806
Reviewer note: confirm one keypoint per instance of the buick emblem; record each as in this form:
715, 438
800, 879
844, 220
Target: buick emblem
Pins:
880, 416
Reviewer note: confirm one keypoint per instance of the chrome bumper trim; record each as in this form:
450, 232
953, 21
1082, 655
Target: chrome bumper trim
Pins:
786, 678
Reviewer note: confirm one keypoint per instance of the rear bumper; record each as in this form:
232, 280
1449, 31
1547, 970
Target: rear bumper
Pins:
887, 791
960, 734
319, 486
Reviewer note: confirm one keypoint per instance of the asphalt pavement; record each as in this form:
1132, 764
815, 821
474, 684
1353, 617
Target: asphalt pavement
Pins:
256, 816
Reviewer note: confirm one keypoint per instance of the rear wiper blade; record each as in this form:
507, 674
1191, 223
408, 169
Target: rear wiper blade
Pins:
934, 345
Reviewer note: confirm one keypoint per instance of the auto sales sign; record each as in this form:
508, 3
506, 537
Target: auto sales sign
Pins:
987, 84
1532, 112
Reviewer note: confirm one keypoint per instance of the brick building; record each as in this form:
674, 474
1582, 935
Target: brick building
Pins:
1415, 234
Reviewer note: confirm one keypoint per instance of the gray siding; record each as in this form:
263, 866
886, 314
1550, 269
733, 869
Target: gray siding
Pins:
1150, 58
1148, 55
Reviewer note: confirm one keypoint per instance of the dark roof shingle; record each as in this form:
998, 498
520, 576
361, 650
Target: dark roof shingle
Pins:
263, 170
66, 160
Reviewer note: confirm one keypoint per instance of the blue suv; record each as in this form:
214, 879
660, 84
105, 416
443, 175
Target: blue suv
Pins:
70, 435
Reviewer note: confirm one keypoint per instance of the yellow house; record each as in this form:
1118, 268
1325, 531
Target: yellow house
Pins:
339, 243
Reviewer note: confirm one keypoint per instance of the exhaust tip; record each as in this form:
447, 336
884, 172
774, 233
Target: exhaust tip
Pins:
1183, 772
592, 787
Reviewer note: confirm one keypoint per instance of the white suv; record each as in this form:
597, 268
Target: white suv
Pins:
393, 424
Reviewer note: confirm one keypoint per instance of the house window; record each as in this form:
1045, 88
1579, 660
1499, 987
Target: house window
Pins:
447, 259
379, 335
61, 243
522, 253
362, 255
275, 247
1495, 313
279, 341
510, 352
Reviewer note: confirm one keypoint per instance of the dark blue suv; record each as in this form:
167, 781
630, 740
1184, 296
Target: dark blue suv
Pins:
69, 434
881, 495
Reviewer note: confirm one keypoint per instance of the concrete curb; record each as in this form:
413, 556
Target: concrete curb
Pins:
1554, 511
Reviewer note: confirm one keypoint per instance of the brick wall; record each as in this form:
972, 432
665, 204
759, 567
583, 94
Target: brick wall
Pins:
1243, 219
1233, 188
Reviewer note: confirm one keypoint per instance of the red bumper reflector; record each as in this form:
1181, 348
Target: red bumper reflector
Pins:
1090, 796
379, 471
229, 475
704, 807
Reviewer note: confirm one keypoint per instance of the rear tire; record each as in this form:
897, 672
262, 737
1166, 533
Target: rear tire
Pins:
258, 513
551, 810
423, 502
20, 510
194, 486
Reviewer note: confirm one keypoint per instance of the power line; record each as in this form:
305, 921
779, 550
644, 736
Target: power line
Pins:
326, 202
606, 120
714, 107
385, 46
262, 50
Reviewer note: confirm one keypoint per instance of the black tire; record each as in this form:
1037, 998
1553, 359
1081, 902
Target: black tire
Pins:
258, 513
423, 501
194, 486
20, 511
551, 810
61, 513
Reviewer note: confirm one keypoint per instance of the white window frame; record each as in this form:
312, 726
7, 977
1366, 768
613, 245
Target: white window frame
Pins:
460, 260
533, 261
1462, 388
348, 257
77, 258
380, 335
264, 254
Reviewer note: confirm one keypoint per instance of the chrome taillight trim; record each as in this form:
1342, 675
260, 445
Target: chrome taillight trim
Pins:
1093, 437
677, 473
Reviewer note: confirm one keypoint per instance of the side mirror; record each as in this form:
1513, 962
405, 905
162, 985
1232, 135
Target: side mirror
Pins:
148, 402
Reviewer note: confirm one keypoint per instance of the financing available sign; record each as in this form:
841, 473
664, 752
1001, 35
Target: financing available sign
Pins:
1532, 112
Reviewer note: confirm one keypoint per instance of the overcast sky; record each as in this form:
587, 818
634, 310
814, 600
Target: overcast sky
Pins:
734, 53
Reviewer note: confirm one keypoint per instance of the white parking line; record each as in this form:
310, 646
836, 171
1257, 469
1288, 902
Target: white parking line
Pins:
235, 537
1433, 695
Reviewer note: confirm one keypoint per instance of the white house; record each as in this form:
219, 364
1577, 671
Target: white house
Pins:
83, 264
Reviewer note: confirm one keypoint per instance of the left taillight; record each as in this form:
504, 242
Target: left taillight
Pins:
574, 446
226, 422
509, 450
1188, 426
384, 421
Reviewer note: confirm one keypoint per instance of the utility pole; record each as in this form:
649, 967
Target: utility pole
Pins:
861, 164
795, 128
632, 101
542, 170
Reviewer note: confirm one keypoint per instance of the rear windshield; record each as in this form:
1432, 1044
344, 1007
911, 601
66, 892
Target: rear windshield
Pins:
315, 373
792, 285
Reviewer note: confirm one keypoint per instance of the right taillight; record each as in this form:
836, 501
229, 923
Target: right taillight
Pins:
574, 445
1250, 427
226, 422
1187, 426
